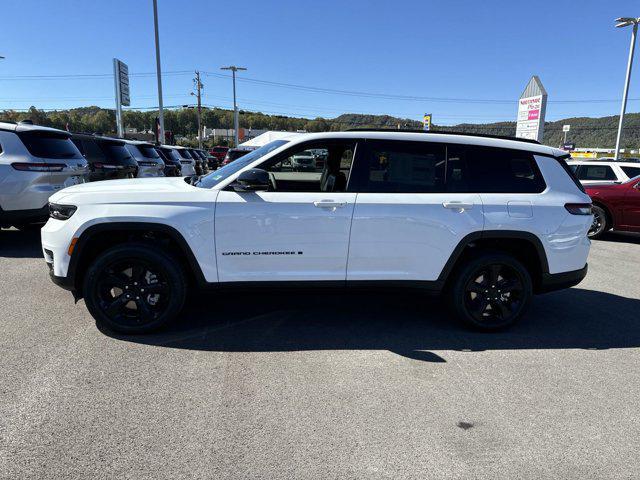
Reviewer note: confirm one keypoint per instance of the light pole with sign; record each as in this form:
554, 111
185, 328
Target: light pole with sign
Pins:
565, 129
121, 78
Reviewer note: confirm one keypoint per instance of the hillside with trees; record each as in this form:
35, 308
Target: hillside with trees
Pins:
585, 132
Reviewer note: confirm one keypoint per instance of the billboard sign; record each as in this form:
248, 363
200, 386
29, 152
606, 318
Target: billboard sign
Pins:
531, 111
426, 121
122, 82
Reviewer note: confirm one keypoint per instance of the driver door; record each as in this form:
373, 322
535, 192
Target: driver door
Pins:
299, 229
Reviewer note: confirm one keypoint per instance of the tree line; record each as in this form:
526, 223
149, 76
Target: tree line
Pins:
585, 132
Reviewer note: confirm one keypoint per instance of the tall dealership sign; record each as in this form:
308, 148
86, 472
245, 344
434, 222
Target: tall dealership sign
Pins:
532, 107
121, 79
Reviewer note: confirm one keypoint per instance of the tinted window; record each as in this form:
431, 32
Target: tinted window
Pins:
49, 145
115, 152
475, 169
631, 171
171, 154
409, 167
184, 153
92, 151
147, 151
596, 172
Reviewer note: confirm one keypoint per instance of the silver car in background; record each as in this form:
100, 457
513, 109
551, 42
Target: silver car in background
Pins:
149, 162
35, 162
187, 163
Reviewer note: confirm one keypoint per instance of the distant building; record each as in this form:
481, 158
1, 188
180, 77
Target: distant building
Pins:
228, 134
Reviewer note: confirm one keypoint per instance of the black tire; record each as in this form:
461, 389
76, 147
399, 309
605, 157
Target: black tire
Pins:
490, 292
600, 223
134, 288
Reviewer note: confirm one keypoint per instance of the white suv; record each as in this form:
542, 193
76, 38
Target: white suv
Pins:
35, 162
602, 172
488, 221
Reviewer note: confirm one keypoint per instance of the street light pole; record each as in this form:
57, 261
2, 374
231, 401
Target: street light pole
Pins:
198, 85
625, 22
158, 73
236, 121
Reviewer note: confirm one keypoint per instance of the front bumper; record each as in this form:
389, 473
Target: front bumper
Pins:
558, 281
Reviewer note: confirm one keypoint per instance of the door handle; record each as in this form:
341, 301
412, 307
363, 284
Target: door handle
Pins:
329, 204
460, 206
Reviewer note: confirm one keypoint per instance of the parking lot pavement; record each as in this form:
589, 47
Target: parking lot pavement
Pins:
322, 386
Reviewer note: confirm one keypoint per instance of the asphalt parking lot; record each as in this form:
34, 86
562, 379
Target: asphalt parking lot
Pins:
320, 385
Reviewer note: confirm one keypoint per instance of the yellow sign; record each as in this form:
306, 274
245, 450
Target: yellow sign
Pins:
426, 121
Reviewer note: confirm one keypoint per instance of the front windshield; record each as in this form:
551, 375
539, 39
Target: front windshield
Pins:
225, 172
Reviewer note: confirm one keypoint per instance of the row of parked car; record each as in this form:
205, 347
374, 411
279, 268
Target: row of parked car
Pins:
37, 161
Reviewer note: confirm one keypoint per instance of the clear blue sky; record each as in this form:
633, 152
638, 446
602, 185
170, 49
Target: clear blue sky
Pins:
483, 50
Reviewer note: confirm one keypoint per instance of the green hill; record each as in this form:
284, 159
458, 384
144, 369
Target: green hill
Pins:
585, 132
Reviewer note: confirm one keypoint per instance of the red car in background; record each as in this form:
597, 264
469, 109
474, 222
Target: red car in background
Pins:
615, 206
219, 153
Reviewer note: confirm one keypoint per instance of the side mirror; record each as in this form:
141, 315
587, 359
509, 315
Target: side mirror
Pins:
252, 180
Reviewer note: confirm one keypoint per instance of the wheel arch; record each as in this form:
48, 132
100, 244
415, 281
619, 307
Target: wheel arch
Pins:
101, 236
524, 246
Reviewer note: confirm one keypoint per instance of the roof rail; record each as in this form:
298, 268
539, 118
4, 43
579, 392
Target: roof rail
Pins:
464, 134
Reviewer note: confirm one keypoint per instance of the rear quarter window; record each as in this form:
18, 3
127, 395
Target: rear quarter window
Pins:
629, 171
477, 169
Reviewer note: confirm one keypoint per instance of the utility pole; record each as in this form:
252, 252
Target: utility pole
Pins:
625, 22
199, 86
158, 73
236, 121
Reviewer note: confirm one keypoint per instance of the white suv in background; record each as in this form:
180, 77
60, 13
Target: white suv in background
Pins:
602, 172
35, 162
187, 163
149, 162
487, 221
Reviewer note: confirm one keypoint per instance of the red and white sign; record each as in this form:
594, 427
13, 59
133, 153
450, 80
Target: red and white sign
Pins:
530, 117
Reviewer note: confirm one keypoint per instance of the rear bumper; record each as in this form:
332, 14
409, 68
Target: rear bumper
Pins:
557, 281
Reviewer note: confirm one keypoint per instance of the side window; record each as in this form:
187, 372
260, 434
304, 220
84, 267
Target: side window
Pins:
629, 171
313, 167
475, 169
401, 167
92, 151
596, 172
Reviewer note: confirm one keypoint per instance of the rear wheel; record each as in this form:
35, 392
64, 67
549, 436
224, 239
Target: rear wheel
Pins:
491, 292
134, 289
600, 222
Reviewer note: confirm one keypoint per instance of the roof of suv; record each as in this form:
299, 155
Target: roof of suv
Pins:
139, 142
29, 127
464, 139
89, 136
579, 161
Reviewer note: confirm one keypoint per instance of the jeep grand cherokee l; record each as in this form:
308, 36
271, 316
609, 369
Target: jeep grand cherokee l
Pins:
489, 222
35, 162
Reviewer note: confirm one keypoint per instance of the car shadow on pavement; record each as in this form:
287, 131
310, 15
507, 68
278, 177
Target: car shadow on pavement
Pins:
409, 325
20, 244
621, 237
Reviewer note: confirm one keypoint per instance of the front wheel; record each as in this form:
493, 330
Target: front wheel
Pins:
491, 292
134, 288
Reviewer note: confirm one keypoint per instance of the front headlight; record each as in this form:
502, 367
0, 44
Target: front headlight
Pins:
61, 212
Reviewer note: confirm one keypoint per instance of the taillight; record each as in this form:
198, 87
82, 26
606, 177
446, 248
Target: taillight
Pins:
105, 166
38, 167
578, 208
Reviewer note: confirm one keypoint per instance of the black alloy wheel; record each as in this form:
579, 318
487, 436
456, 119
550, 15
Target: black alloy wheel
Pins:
599, 224
134, 289
491, 292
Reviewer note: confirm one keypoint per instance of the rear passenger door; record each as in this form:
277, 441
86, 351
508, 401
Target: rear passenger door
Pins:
406, 223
